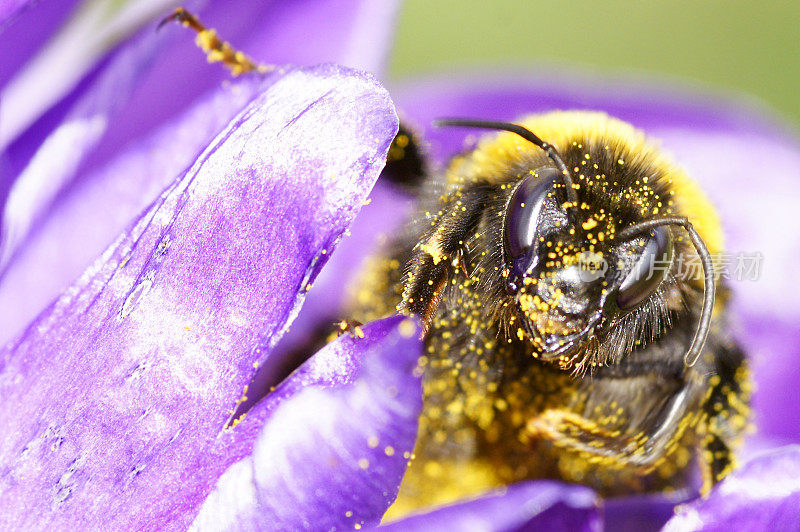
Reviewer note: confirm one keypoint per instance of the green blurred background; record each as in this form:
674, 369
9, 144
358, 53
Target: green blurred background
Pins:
750, 47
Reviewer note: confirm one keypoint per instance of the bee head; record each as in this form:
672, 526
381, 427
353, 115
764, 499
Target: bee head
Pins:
571, 275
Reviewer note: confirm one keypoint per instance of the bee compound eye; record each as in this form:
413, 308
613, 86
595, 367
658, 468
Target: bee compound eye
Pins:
649, 270
522, 219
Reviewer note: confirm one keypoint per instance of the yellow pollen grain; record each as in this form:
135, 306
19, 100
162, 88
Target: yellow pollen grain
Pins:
363, 463
434, 251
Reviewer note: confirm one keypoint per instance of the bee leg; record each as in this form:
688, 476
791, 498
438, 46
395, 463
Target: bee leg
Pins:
215, 48
439, 253
617, 441
727, 410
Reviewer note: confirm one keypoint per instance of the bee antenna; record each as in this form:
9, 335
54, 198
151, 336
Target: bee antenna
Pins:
709, 287
526, 134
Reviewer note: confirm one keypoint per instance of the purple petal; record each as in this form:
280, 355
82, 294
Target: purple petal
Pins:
640, 513
772, 342
116, 399
542, 505
764, 494
24, 26
747, 162
9, 8
336, 441
176, 110
644, 104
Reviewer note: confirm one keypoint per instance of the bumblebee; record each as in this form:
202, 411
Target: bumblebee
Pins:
565, 336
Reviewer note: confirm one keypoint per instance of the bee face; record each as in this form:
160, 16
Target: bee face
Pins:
570, 279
